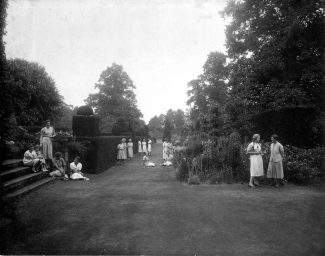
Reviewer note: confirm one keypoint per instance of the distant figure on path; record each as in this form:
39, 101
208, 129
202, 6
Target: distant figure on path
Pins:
168, 161
256, 162
59, 166
149, 147
144, 146
30, 158
47, 133
130, 149
275, 168
125, 146
139, 147
76, 168
121, 152
146, 161
165, 149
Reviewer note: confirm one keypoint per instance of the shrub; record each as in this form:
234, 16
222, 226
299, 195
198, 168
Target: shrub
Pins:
76, 148
194, 180
85, 111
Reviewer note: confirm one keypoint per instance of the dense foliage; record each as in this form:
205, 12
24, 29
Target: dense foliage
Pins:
115, 97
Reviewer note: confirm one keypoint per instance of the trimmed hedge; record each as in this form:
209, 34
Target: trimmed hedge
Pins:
85, 111
85, 126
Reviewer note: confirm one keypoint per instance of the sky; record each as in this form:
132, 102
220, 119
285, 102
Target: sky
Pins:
161, 44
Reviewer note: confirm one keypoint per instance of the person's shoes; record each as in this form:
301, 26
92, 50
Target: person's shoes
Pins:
44, 169
34, 170
277, 185
86, 179
251, 186
256, 183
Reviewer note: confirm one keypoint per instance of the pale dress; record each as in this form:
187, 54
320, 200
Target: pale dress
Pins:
165, 149
149, 145
147, 163
30, 158
139, 147
121, 151
144, 147
46, 142
130, 149
125, 146
256, 161
77, 174
275, 168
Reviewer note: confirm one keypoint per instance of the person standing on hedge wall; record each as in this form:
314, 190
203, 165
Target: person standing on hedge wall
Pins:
275, 168
254, 151
47, 133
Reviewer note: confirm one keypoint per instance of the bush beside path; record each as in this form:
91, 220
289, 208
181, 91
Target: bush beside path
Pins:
133, 210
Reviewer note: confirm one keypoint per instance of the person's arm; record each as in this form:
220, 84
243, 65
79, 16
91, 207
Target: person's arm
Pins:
281, 151
53, 132
41, 138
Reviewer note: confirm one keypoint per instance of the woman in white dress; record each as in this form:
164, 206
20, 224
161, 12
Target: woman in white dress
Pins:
47, 133
130, 149
75, 168
139, 147
149, 147
144, 146
165, 149
146, 161
31, 159
254, 151
168, 161
125, 148
121, 153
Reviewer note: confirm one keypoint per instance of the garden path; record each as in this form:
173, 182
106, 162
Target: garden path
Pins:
132, 210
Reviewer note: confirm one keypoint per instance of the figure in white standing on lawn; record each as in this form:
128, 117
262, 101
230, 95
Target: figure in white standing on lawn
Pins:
254, 151
149, 147
165, 149
139, 147
47, 133
144, 146
125, 148
121, 153
130, 149
275, 168
76, 168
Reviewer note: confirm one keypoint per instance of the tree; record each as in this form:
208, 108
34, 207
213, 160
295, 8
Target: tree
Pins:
167, 130
29, 94
116, 97
277, 50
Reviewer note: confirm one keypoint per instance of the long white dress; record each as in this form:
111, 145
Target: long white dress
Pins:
144, 147
130, 149
165, 149
149, 146
256, 161
46, 142
77, 174
139, 147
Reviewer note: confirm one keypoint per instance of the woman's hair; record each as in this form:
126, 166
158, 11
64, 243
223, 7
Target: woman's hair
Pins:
37, 146
255, 136
30, 146
77, 158
275, 137
58, 154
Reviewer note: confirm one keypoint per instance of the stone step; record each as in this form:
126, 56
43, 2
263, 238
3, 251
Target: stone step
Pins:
22, 181
23, 191
11, 163
15, 173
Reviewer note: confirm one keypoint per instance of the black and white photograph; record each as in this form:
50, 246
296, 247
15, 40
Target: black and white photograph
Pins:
162, 127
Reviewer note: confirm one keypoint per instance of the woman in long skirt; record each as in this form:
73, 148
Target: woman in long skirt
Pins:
121, 153
275, 168
139, 146
144, 146
125, 148
130, 149
47, 133
254, 151
149, 147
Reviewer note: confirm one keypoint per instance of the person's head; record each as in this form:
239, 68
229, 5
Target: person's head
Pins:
48, 123
57, 155
144, 140
31, 147
37, 147
256, 137
274, 138
130, 140
76, 159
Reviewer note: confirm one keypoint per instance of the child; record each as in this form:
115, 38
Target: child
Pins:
41, 158
30, 158
59, 166
146, 162
75, 168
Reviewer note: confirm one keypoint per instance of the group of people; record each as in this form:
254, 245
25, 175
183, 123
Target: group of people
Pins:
125, 149
40, 158
275, 167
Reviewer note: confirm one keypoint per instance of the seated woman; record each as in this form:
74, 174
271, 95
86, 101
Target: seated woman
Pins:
59, 166
30, 158
169, 159
40, 156
75, 168
146, 162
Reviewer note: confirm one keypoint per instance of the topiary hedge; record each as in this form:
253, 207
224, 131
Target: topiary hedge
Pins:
85, 111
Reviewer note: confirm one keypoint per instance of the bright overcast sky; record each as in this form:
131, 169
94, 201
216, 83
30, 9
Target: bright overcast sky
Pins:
162, 44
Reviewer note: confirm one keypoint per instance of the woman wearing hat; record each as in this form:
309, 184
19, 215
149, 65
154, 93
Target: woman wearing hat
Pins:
254, 151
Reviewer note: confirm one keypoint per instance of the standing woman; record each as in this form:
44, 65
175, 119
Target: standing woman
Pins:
275, 168
125, 148
165, 148
149, 147
256, 162
144, 146
139, 147
121, 152
130, 149
47, 133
